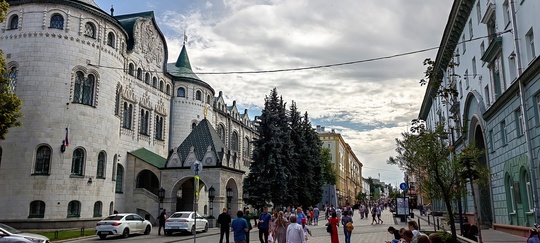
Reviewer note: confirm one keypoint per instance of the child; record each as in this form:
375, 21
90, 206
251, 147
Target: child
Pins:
306, 229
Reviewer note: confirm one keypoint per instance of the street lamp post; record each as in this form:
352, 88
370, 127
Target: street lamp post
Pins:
211, 196
161, 196
229, 197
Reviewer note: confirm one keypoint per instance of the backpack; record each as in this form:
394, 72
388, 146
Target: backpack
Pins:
349, 226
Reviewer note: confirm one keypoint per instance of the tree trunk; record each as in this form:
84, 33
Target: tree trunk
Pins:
476, 210
451, 218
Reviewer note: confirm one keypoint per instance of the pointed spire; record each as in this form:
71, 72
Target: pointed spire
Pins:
183, 59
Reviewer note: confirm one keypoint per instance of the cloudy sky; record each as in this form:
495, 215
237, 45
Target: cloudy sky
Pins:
370, 102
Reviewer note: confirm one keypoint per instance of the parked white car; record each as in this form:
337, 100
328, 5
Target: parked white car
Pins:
9, 234
123, 224
185, 222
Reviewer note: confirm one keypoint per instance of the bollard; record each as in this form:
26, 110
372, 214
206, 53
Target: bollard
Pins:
82, 231
429, 223
56, 234
438, 226
434, 224
419, 228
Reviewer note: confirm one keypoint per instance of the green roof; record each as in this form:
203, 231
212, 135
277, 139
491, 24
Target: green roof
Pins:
182, 67
149, 157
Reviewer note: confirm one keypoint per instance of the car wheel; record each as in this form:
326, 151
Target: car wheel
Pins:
168, 233
147, 230
102, 237
206, 227
125, 234
193, 231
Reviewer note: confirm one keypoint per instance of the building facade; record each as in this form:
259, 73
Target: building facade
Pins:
488, 55
107, 121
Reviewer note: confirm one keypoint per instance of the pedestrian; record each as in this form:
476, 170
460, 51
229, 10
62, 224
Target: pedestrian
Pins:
248, 217
280, 228
436, 238
422, 239
533, 236
394, 232
413, 227
378, 210
300, 214
347, 229
366, 212
239, 227
333, 221
264, 225
361, 209
316, 215
311, 216
295, 233
306, 230
224, 220
161, 221
373, 214
407, 236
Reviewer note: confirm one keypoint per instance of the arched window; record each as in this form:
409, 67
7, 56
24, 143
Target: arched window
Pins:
119, 179
247, 148
77, 162
161, 85
193, 125
131, 69
101, 162
147, 78
117, 102
221, 132
111, 41
90, 30
148, 180
98, 207
198, 95
84, 89
14, 22
128, 115
154, 82
529, 202
159, 128
37, 209
74, 209
57, 21
12, 76
111, 208
234, 141
168, 90
208, 99
43, 160
139, 73
144, 122
181, 92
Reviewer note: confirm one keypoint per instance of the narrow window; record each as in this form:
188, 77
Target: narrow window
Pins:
478, 12
168, 90
506, 14
530, 45
154, 82
131, 69
482, 48
83, 92
161, 85
77, 162
159, 128
14, 22
147, 78
12, 79
221, 132
98, 207
537, 109
139, 73
512, 66
117, 103
491, 140
503, 132
144, 122
90, 30
43, 160
198, 95
466, 79
57, 22
111, 39
37, 209
470, 29
74, 209
208, 99
235, 142
181, 92
247, 149
193, 125
101, 165
475, 73
463, 43
111, 208
119, 179
128, 115
519, 122
529, 192
487, 95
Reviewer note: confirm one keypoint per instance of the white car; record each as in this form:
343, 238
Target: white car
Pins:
123, 224
9, 234
185, 222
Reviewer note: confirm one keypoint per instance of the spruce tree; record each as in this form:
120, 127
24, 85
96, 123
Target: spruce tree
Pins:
313, 147
297, 182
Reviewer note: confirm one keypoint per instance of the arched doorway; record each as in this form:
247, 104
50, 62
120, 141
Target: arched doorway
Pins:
231, 195
185, 194
484, 193
148, 180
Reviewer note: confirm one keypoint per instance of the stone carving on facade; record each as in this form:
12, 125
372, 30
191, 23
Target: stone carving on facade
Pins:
160, 107
148, 43
145, 101
129, 93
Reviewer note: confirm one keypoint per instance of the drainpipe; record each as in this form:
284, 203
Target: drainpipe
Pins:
525, 124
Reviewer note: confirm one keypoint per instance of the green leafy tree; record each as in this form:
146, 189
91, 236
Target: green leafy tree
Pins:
423, 152
10, 104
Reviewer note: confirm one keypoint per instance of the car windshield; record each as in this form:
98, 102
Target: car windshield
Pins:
10, 229
180, 215
114, 217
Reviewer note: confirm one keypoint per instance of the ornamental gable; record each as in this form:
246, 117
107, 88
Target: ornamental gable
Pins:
148, 42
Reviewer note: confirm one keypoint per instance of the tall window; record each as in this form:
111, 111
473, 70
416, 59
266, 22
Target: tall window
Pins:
482, 48
519, 122
77, 162
154, 82
487, 95
159, 128
102, 158
147, 78
119, 179
74, 209
529, 191
506, 14
491, 148
90, 30
37, 209
181, 92
117, 102
512, 66
131, 69
43, 160
193, 125
234, 141
470, 29
537, 111
531, 53
208, 99
14, 22
478, 12
111, 41
128, 115
503, 132
168, 90
466, 79
12, 79
161, 85
247, 148
144, 122
221, 132
463, 43
98, 207
198, 95
474, 67
57, 22
139, 73
84, 89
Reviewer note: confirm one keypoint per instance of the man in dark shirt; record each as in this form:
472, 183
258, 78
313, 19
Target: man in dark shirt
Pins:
224, 220
264, 225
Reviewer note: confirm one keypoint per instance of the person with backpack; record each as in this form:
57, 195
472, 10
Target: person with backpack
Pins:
347, 222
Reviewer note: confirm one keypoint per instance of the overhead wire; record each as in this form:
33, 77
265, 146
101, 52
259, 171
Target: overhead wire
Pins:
326, 65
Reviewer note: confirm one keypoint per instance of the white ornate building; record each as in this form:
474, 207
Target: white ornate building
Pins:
107, 122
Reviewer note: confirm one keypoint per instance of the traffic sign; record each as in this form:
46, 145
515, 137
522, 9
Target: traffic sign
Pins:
403, 186
196, 167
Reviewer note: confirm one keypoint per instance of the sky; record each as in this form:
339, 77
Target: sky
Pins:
370, 103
